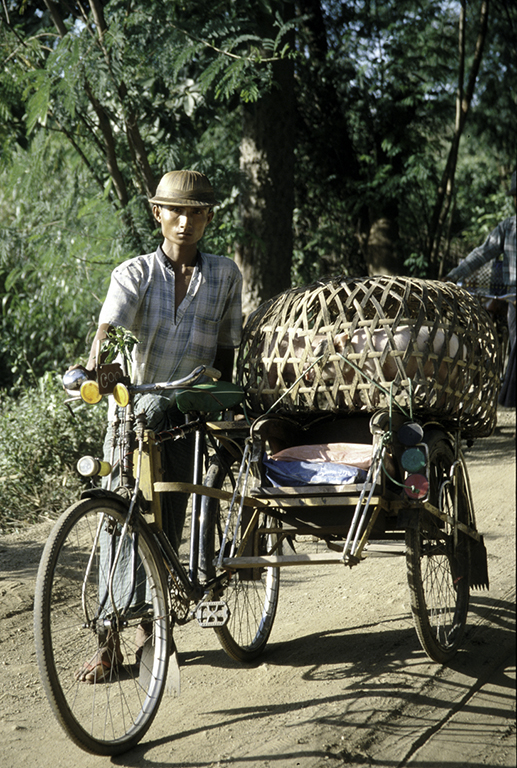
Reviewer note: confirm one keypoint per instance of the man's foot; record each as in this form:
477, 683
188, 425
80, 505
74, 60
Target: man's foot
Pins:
144, 633
100, 667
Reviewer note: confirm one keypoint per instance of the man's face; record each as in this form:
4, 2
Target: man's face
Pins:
181, 224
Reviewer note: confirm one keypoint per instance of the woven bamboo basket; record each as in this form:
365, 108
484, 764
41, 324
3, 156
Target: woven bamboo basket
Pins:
360, 344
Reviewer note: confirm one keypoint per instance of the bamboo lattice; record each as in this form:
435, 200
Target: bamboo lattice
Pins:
423, 345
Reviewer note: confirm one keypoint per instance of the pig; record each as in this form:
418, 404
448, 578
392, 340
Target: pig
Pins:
280, 366
379, 339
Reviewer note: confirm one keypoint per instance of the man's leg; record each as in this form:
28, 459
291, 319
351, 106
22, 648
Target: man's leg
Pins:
177, 461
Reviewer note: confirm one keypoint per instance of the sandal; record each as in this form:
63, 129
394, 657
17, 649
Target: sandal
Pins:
107, 659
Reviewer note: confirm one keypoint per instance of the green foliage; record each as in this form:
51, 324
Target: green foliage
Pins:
486, 217
119, 341
40, 444
325, 245
377, 106
89, 121
59, 240
375, 89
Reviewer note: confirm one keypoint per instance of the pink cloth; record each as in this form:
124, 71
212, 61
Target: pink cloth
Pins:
352, 454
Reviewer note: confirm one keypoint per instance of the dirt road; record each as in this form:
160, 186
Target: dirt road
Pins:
343, 681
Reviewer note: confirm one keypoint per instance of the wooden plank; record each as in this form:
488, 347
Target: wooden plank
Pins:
385, 549
230, 426
317, 558
309, 490
293, 502
203, 490
447, 518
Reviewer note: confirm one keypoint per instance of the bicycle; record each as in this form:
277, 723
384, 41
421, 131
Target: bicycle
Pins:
83, 596
416, 492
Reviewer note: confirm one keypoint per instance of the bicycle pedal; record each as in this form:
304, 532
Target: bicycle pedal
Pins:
213, 614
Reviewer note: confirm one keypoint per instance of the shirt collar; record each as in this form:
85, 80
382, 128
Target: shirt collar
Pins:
161, 255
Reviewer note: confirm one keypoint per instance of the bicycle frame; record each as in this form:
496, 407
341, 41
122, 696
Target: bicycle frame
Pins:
124, 437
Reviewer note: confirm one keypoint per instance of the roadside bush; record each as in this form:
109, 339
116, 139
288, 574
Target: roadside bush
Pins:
40, 443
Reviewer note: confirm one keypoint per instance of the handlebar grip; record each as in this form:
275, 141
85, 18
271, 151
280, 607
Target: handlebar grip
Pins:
212, 373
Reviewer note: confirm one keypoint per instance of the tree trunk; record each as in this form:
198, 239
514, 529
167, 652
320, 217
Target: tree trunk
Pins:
463, 102
378, 236
266, 206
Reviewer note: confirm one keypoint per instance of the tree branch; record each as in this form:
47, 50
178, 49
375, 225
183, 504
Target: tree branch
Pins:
104, 121
109, 146
56, 18
135, 141
228, 54
463, 102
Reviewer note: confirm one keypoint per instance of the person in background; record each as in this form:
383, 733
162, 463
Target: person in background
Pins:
502, 240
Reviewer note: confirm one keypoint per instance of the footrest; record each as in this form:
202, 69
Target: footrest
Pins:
213, 614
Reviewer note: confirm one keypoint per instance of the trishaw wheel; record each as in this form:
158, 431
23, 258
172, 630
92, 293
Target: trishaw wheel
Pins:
104, 716
438, 557
251, 594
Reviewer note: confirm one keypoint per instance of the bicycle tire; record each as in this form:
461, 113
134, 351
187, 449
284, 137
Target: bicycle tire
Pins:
438, 568
251, 596
109, 717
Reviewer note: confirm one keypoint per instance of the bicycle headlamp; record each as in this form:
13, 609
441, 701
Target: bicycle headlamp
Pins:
88, 466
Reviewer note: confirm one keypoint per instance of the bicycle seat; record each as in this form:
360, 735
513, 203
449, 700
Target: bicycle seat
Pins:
209, 398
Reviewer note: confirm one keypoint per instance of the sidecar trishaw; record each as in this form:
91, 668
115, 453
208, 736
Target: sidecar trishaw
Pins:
357, 396
360, 394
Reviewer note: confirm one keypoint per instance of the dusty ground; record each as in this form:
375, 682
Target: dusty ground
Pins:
343, 681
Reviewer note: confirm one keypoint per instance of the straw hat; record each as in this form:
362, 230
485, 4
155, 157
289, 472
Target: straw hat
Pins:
184, 188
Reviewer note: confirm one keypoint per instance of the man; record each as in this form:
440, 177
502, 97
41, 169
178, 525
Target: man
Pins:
184, 307
502, 240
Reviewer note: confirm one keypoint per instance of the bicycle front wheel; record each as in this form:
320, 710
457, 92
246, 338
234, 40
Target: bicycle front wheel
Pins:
251, 594
77, 615
438, 557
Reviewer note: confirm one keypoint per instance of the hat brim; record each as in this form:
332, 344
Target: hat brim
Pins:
183, 201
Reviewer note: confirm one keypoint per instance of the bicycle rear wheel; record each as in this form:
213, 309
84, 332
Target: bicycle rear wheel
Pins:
251, 594
74, 616
438, 557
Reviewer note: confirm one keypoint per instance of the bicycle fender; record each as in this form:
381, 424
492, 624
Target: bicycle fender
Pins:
104, 493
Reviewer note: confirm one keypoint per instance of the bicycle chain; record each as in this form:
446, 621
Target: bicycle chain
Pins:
180, 601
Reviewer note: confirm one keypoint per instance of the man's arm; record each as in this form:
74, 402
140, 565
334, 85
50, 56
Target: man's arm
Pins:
92, 363
101, 334
490, 249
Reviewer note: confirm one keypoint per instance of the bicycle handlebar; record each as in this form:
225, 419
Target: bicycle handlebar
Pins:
75, 378
195, 375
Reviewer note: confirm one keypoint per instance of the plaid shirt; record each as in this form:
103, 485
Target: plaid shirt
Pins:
174, 341
500, 241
